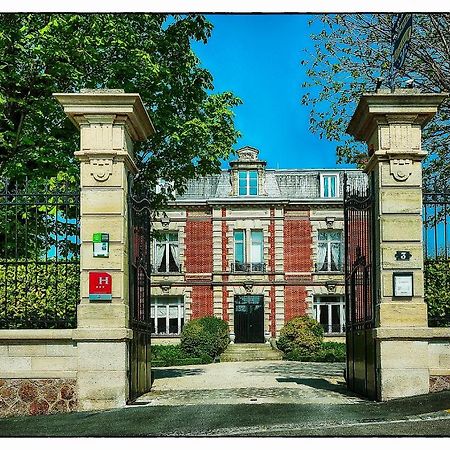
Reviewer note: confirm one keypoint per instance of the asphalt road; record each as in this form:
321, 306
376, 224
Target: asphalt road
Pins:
419, 416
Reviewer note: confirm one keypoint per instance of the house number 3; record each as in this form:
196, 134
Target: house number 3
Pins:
403, 255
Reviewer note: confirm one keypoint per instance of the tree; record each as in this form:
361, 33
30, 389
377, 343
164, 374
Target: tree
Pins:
350, 52
145, 53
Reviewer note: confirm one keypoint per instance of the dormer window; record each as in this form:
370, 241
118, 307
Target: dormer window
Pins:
248, 182
329, 185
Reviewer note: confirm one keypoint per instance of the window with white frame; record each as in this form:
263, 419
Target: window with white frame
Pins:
166, 258
329, 311
248, 256
329, 185
329, 251
166, 315
248, 182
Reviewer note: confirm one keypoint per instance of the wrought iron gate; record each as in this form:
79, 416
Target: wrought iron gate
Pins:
140, 246
359, 285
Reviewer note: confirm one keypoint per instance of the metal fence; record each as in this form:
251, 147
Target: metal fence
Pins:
436, 240
39, 253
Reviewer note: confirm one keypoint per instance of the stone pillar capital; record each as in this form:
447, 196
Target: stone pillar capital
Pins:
107, 106
405, 106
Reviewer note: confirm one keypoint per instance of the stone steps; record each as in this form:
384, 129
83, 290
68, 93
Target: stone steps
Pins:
250, 352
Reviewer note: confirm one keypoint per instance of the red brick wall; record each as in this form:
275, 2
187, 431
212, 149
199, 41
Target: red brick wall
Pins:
294, 302
199, 245
202, 301
224, 267
297, 245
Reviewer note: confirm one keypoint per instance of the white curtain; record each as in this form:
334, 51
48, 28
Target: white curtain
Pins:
335, 256
322, 256
174, 252
160, 249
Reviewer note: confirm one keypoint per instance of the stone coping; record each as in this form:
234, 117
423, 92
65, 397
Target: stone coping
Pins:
39, 334
76, 334
417, 333
38, 374
101, 334
437, 372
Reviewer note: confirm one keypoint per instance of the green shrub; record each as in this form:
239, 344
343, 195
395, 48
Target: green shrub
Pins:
437, 292
39, 295
302, 335
173, 355
205, 336
327, 352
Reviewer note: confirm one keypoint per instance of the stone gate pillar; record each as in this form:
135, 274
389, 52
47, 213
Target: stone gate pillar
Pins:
391, 124
109, 122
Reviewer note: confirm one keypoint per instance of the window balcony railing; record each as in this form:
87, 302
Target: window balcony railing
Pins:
334, 268
155, 269
248, 267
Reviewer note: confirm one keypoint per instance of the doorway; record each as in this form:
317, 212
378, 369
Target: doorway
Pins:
249, 318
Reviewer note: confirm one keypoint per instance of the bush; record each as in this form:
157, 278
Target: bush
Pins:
173, 355
302, 335
205, 336
327, 352
437, 292
39, 295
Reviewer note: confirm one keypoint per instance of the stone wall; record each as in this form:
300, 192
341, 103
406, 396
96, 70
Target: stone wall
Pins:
38, 372
21, 396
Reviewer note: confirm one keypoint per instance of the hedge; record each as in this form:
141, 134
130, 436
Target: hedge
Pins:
327, 352
437, 292
173, 355
38, 295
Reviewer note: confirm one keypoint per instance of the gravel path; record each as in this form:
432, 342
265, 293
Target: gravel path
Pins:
250, 382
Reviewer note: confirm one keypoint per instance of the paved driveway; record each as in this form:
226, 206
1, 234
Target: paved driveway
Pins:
253, 382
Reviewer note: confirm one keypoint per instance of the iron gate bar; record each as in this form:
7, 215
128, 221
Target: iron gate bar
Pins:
359, 284
140, 290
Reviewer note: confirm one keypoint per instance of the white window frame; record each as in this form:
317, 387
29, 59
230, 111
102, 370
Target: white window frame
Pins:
322, 185
320, 301
167, 252
244, 242
329, 242
155, 307
247, 188
248, 241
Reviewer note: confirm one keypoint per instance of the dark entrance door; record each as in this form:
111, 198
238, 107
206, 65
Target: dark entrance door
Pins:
249, 318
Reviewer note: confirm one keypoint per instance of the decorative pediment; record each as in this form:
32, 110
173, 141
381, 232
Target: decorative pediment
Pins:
248, 154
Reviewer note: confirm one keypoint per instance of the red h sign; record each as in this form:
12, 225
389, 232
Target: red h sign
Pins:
100, 286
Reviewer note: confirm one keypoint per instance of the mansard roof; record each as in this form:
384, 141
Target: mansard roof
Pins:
279, 184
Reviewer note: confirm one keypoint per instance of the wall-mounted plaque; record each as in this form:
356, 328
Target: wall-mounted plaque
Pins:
403, 284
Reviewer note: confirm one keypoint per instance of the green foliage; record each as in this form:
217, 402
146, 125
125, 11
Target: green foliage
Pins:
146, 53
39, 216
302, 334
37, 295
173, 355
437, 292
327, 352
350, 52
205, 336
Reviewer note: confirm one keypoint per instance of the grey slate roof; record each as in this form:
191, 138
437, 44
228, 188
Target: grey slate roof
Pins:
280, 184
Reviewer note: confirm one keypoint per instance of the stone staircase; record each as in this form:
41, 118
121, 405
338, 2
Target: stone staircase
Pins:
250, 352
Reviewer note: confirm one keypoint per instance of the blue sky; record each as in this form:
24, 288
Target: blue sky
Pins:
257, 57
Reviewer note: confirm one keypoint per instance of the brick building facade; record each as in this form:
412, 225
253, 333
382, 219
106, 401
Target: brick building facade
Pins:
253, 246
